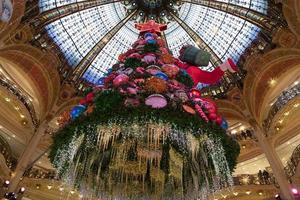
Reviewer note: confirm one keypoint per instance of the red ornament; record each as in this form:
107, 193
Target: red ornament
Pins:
82, 102
195, 93
151, 26
212, 116
90, 97
219, 120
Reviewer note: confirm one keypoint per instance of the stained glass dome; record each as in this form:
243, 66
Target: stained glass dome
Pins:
94, 32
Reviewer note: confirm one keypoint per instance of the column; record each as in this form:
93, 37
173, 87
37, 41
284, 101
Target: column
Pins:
275, 162
27, 156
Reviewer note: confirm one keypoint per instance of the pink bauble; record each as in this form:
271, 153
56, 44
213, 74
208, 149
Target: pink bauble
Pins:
90, 97
212, 116
132, 90
219, 120
149, 58
120, 80
156, 101
82, 102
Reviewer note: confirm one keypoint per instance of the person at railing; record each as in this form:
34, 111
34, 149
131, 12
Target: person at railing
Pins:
266, 177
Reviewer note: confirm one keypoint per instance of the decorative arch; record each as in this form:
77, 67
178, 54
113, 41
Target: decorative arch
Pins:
39, 68
260, 69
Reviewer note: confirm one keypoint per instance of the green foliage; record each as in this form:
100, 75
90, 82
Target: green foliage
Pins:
109, 105
184, 78
132, 63
151, 48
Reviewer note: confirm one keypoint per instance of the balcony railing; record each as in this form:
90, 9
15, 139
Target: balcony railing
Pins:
284, 98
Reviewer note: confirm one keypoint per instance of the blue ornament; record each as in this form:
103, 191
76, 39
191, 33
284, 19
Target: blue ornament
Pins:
101, 81
77, 111
151, 41
148, 35
162, 75
200, 86
109, 71
224, 124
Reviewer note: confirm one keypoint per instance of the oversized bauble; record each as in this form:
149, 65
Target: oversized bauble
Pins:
212, 110
90, 97
148, 35
219, 120
82, 102
156, 85
108, 72
149, 58
120, 80
77, 111
167, 58
153, 69
135, 55
140, 70
162, 75
109, 78
212, 116
189, 109
101, 81
132, 90
151, 41
194, 93
224, 124
156, 101
170, 70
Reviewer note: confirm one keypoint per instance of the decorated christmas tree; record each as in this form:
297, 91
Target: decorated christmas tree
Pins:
145, 131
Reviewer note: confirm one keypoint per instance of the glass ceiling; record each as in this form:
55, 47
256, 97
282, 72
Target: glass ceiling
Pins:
76, 34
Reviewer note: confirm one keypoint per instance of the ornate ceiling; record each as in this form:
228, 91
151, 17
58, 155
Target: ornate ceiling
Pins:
91, 34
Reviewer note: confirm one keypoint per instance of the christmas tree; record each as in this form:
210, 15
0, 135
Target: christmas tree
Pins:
145, 131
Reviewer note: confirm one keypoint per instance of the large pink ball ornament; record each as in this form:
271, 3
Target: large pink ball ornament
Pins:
120, 80
212, 116
219, 120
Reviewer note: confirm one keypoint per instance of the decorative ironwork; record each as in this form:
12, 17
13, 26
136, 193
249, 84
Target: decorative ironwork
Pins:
93, 53
284, 98
21, 95
292, 164
62, 11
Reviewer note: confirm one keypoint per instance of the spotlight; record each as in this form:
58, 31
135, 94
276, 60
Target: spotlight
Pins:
22, 190
6, 183
277, 197
294, 191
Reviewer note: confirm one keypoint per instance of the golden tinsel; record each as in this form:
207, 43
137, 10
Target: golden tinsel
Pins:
156, 85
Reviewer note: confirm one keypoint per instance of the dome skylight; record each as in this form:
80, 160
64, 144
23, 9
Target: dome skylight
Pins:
77, 32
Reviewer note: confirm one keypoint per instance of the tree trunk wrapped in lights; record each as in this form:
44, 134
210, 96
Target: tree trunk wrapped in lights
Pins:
144, 133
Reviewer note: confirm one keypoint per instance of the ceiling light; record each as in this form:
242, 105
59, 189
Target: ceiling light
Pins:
280, 121
14, 136
61, 189
260, 193
7, 99
1, 127
286, 113
72, 191
49, 187
296, 105
17, 108
233, 132
22, 116
294, 191
235, 193
244, 146
272, 82
296, 82
22, 189
248, 192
